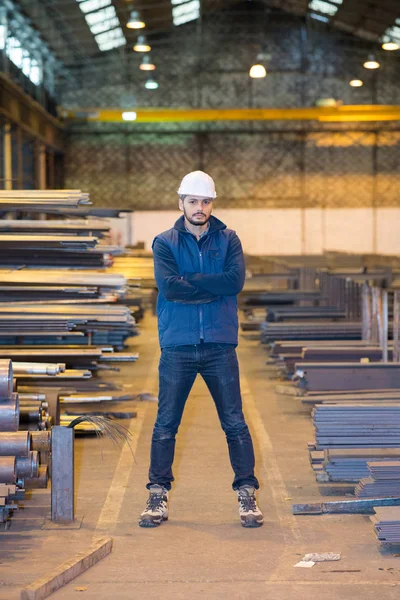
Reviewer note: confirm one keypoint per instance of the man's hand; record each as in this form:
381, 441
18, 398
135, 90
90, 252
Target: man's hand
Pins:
228, 283
171, 284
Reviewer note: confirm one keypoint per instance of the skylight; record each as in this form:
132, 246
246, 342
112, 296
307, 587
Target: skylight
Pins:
318, 17
326, 7
110, 39
91, 5
2, 37
21, 57
183, 11
392, 34
102, 20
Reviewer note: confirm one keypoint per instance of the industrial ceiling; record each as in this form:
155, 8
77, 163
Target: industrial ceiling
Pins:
65, 25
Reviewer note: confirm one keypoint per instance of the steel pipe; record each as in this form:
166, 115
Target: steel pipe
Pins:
30, 414
27, 466
41, 481
8, 469
31, 398
41, 441
9, 414
22, 368
6, 378
15, 443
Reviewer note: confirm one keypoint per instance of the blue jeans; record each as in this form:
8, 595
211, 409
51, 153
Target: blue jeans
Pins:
178, 369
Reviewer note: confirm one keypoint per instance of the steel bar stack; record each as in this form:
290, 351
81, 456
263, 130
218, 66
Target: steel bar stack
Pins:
348, 467
106, 324
357, 426
43, 305
383, 481
386, 522
42, 244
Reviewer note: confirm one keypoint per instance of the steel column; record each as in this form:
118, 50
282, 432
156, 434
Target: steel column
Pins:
62, 474
396, 317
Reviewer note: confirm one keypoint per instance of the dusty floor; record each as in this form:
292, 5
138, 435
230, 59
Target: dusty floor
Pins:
202, 551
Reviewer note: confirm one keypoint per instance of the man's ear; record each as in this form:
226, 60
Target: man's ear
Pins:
180, 205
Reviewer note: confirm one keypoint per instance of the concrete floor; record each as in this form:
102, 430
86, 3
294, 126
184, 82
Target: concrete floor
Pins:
202, 551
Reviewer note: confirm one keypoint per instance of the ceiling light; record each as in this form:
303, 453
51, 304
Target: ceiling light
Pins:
146, 65
141, 45
129, 116
326, 103
151, 84
135, 22
371, 63
390, 46
257, 71
356, 83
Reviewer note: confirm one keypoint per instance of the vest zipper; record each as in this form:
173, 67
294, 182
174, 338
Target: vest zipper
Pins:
200, 306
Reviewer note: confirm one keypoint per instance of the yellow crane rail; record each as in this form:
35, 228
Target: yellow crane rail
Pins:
350, 113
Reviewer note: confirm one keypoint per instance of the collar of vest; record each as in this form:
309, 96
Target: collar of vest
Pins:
215, 225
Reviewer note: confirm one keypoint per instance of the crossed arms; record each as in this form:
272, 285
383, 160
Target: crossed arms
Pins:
198, 288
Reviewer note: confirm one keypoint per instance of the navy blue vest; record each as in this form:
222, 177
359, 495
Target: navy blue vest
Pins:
183, 324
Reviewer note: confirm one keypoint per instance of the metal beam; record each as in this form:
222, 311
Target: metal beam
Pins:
17, 107
349, 376
8, 184
62, 474
344, 506
356, 113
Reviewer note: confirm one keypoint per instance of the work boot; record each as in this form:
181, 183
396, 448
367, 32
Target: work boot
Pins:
156, 510
250, 514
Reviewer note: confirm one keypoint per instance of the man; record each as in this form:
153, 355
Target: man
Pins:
199, 269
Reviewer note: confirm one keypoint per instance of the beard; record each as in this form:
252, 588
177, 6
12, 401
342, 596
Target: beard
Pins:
198, 221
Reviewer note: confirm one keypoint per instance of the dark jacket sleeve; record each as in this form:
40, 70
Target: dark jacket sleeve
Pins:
231, 281
169, 282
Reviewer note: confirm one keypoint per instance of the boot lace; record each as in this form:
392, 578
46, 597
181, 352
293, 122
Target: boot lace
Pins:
155, 501
248, 502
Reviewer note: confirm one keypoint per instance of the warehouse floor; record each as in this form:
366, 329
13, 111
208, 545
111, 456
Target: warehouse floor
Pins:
202, 551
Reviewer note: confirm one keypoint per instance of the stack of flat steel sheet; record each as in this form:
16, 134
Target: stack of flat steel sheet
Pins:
50, 243
354, 376
98, 324
275, 315
40, 200
136, 269
49, 284
277, 297
386, 521
383, 481
75, 357
279, 347
365, 397
357, 426
342, 354
346, 330
295, 361
350, 469
382, 471
343, 466
55, 226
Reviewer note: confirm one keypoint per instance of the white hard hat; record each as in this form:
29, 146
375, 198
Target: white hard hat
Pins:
197, 183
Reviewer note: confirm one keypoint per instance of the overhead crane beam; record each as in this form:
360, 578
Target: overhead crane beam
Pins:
350, 113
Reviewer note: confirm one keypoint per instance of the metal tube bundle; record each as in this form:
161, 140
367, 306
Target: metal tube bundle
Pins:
20, 450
